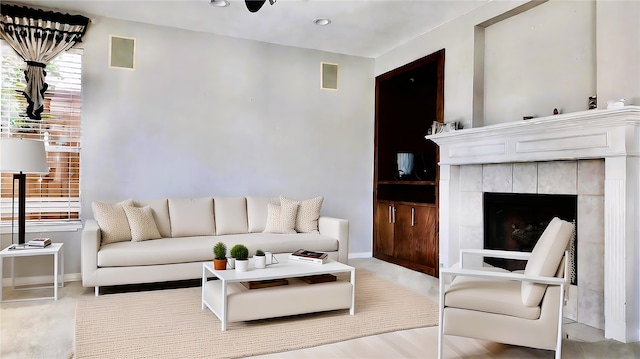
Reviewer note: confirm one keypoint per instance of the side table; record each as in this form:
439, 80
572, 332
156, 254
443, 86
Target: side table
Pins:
58, 266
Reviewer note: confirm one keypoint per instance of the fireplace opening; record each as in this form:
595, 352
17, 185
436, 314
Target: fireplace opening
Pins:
515, 221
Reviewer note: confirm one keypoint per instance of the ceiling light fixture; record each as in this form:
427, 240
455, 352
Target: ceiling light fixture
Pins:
322, 21
219, 3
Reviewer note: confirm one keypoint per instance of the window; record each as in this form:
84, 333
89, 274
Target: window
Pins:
55, 197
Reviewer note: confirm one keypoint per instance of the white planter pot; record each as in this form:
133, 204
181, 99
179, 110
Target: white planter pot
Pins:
259, 261
242, 265
231, 262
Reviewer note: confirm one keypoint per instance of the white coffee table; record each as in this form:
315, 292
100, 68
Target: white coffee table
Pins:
55, 249
215, 293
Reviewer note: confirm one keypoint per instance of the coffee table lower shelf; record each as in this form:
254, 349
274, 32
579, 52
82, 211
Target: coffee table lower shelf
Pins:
297, 297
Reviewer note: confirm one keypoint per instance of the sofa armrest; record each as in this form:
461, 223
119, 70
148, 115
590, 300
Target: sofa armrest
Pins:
339, 229
89, 246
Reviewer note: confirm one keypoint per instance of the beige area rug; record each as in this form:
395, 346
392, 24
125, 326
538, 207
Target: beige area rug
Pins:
170, 324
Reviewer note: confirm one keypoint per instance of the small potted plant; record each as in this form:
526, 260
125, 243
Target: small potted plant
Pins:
259, 259
241, 254
220, 256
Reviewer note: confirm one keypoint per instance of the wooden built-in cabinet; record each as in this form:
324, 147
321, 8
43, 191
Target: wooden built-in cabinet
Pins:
405, 227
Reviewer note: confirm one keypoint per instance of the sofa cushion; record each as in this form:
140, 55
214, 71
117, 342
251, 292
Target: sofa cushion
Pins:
160, 210
281, 218
141, 222
112, 220
308, 213
545, 259
257, 212
199, 248
192, 217
230, 215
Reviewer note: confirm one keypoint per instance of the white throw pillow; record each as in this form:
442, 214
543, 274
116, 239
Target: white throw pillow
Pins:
308, 213
142, 224
257, 212
192, 217
160, 210
281, 218
112, 220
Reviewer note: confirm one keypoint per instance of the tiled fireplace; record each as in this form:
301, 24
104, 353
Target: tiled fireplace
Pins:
593, 155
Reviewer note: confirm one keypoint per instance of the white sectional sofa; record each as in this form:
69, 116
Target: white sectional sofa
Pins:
147, 241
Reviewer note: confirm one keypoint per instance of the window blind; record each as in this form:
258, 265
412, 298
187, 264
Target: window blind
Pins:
54, 197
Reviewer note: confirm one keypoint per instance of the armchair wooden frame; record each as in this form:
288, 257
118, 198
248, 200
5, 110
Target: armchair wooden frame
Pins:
558, 281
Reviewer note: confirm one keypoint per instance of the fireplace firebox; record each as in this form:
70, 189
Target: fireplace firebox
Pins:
515, 221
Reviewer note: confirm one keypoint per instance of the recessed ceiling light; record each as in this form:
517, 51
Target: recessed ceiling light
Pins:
322, 22
219, 3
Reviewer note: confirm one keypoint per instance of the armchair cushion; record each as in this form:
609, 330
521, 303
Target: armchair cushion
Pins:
489, 295
545, 259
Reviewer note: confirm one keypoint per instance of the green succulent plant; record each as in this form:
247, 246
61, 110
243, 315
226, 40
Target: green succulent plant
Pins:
239, 251
260, 252
220, 251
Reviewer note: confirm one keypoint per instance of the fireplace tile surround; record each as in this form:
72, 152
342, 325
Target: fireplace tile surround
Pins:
592, 154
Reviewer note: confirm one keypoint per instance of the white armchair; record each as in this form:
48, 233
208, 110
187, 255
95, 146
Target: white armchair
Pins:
514, 308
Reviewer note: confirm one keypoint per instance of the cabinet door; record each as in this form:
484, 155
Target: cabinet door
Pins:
384, 229
415, 237
404, 247
425, 236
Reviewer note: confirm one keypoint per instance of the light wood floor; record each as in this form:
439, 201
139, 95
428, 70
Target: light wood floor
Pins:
583, 341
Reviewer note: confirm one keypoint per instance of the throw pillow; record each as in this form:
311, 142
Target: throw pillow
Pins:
112, 220
142, 224
257, 212
281, 218
308, 213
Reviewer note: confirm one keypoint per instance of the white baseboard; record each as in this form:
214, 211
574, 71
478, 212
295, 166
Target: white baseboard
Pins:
360, 255
37, 280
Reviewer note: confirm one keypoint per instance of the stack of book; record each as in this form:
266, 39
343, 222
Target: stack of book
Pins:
308, 256
39, 242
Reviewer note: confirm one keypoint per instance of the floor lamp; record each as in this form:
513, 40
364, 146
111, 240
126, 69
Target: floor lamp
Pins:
20, 157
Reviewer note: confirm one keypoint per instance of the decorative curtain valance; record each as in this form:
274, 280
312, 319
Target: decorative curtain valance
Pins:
38, 36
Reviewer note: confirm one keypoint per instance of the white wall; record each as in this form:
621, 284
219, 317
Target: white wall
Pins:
550, 63
206, 115
617, 54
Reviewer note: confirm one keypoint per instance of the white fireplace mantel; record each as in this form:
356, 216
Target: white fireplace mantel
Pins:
612, 135
586, 134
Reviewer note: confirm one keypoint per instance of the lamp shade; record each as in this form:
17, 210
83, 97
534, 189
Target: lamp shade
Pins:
23, 155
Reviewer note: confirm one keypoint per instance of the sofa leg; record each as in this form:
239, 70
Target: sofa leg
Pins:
97, 291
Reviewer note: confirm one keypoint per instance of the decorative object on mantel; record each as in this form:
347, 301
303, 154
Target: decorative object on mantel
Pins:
527, 117
38, 37
555, 111
437, 127
615, 103
593, 102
